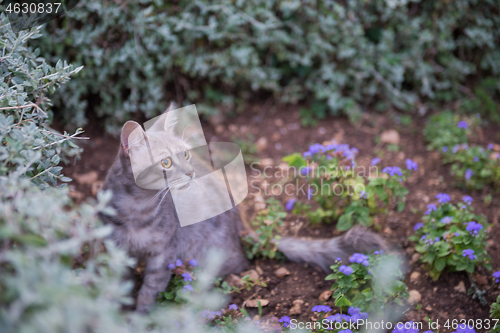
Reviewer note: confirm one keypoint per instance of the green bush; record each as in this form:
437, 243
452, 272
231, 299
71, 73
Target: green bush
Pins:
451, 238
341, 190
365, 283
336, 55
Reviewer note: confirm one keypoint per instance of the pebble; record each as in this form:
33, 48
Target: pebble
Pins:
87, 178
415, 297
414, 276
254, 303
234, 281
261, 144
415, 257
460, 287
296, 309
325, 296
252, 273
390, 137
281, 272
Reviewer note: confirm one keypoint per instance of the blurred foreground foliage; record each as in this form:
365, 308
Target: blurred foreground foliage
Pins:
337, 56
58, 272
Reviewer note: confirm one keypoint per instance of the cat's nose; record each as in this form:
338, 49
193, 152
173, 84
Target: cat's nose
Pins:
190, 174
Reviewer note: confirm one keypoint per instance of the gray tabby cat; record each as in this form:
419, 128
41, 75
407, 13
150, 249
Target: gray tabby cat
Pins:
147, 225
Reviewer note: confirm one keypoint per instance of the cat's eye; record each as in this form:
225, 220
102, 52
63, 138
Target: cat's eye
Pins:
186, 154
166, 163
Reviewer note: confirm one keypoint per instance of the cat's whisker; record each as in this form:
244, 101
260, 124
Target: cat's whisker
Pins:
156, 211
190, 136
156, 195
203, 188
182, 136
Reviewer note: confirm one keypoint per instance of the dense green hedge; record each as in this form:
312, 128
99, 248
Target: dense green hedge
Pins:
339, 55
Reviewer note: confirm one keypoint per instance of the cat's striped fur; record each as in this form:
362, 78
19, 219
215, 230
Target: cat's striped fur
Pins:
147, 225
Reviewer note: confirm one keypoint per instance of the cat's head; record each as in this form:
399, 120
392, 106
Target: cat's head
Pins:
158, 156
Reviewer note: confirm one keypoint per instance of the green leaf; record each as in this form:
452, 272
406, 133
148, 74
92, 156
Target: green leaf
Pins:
440, 264
343, 301
295, 160
345, 222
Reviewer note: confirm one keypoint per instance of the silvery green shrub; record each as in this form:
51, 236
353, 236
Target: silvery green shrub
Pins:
340, 54
58, 272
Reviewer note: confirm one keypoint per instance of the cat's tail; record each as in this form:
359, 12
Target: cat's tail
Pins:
324, 252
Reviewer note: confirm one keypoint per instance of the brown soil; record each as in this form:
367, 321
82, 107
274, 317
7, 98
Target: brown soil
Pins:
440, 300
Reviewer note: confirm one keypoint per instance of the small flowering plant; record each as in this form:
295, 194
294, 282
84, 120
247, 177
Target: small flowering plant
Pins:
267, 223
226, 319
181, 282
474, 167
355, 282
341, 191
336, 323
451, 236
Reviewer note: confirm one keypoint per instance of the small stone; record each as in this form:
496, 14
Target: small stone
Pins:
233, 128
279, 122
496, 147
276, 136
76, 195
390, 137
96, 187
87, 178
266, 162
254, 303
414, 297
296, 309
252, 274
460, 287
259, 270
325, 296
219, 129
261, 144
234, 281
281, 272
428, 308
414, 276
401, 156
415, 258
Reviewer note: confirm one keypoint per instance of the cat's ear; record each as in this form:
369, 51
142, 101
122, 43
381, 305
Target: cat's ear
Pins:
127, 129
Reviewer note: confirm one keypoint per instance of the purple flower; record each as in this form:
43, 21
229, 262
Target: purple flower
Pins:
285, 320
411, 165
171, 266
316, 148
490, 146
464, 329
321, 308
457, 234
375, 161
430, 207
496, 275
393, 171
193, 262
305, 171
468, 174
345, 269
476, 158
443, 198
362, 194
467, 199
445, 149
469, 253
418, 226
360, 259
290, 203
356, 314
338, 318
446, 219
178, 263
187, 277
462, 124
306, 154
345, 331
187, 287
473, 228
233, 307
455, 149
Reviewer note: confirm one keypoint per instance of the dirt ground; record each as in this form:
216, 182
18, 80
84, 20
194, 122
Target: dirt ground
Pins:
280, 126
